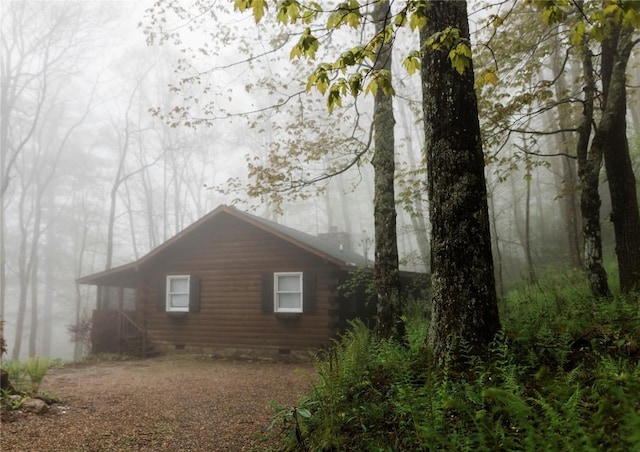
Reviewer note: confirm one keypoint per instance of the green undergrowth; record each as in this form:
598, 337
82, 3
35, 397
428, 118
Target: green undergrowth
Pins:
26, 376
563, 374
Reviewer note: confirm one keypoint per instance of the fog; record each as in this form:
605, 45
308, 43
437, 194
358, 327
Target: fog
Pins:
112, 144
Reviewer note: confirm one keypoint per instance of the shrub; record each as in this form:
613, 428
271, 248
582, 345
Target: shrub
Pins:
36, 367
16, 372
3, 343
80, 332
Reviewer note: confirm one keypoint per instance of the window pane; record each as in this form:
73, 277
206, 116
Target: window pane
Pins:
180, 301
129, 303
289, 301
289, 283
109, 298
180, 285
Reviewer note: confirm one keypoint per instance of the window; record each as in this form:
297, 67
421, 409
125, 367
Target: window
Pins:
129, 299
178, 293
287, 292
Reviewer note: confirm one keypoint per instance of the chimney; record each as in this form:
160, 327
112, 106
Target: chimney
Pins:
342, 240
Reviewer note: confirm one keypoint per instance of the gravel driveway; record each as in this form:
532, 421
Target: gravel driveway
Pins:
171, 403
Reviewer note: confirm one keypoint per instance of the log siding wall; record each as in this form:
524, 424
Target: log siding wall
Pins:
230, 258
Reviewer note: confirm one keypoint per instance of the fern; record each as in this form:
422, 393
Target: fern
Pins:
563, 374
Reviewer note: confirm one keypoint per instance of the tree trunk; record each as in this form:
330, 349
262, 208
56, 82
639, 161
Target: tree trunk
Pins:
49, 283
493, 224
523, 226
24, 273
387, 275
34, 263
527, 230
589, 164
570, 210
465, 309
565, 175
622, 184
417, 209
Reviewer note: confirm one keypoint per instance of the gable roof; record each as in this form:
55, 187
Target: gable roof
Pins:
315, 245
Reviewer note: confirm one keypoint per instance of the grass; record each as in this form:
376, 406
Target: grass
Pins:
36, 368
564, 373
26, 377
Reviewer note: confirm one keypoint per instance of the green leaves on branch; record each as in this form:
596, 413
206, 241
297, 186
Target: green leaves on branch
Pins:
578, 34
380, 80
258, 7
594, 22
459, 50
320, 78
333, 79
412, 62
351, 85
307, 46
460, 57
346, 13
290, 12
414, 14
353, 57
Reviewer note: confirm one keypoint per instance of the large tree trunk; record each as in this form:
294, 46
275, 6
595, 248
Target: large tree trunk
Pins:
589, 164
622, 184
387, 275
465, 310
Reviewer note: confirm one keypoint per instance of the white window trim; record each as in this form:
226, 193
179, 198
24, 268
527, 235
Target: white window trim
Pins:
276, 308
169, 293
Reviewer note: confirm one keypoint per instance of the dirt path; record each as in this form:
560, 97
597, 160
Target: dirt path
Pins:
182, 403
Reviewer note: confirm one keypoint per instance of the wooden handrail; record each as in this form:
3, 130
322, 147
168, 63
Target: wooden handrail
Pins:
129, 329
131, 321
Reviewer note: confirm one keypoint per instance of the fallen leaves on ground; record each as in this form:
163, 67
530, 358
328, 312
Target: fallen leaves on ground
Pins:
171, 403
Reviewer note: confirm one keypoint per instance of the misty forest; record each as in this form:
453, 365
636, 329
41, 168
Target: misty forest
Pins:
491, 145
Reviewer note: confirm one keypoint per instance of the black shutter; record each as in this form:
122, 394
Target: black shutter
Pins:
194, 293
161, 296
308, 293
267, 292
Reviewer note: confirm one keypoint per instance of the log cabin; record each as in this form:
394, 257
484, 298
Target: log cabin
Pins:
234, 282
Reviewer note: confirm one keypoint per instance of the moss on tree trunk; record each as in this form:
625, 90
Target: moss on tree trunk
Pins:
465, 311
387, 274
622, 184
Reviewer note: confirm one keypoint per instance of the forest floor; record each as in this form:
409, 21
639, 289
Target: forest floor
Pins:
169, 403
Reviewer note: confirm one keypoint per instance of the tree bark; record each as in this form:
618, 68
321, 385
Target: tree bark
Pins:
589, 164
387, 275
417, 209
49, 283
493, 224
465, 310
527, 230
24, 272
34, 262
523, 225
565, 176
622, 184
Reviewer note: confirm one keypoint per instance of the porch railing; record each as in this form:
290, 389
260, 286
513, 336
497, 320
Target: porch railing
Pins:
133, 339
117, 332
